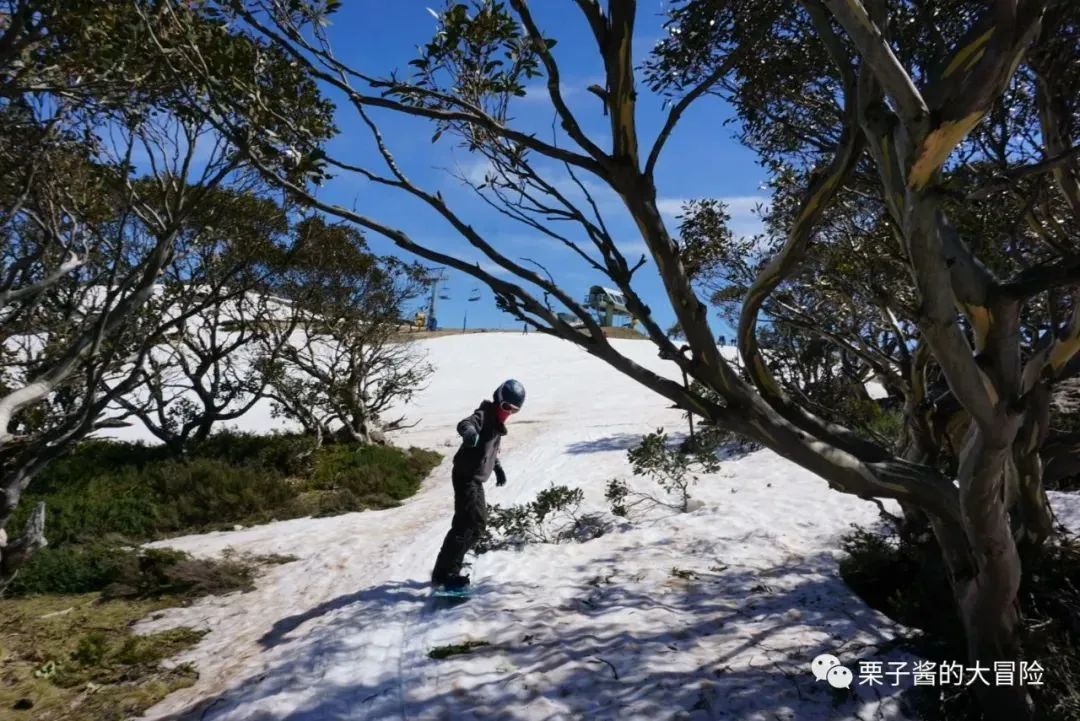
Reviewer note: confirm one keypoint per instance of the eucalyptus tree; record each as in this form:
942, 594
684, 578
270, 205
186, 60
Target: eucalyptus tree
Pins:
105, 158
215, 299
339, 364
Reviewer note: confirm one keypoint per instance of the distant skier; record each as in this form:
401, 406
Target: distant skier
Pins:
473, 464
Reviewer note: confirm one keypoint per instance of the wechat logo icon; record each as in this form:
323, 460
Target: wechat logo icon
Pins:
826, 667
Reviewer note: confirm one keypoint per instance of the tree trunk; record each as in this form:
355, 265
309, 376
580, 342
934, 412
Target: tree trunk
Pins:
203, 430
359, 428
14, 553
986, 593
914, 447
353, 433
1033, 519
992, 625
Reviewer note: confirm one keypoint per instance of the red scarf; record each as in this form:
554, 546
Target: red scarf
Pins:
502, 416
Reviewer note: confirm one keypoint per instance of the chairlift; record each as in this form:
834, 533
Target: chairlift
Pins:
444, 296
474, 295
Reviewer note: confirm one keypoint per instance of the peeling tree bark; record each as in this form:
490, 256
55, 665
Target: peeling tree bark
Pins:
14, 553
1033, 519
987, 599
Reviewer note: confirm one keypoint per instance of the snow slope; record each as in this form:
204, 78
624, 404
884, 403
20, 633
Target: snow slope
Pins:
596, 630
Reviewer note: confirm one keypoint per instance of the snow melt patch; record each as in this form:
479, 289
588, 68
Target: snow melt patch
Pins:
601, 630
1066, 509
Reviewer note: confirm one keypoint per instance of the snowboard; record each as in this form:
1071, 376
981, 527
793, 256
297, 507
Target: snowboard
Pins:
458, 593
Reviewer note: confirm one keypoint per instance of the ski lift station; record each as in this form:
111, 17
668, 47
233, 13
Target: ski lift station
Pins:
608, 304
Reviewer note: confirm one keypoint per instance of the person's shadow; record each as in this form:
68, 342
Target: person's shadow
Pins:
384, 595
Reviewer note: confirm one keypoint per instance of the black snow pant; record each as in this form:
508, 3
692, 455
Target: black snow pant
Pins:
470, 517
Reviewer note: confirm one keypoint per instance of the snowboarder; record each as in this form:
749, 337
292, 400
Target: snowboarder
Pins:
474, 462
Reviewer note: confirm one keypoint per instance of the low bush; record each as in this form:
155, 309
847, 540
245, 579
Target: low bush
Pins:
552, 517
908, 579
123, 572
158, 499
379, 472
140, 493
287, 454
105, 497
70, 569
200, 493
674, 467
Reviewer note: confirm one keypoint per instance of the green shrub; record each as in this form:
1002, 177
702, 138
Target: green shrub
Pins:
96, 458
905, 577
140, 493
122, 572
285, 454
372, 472
1050, 603
673, 467
552, 517
91, 649
618, 495
84, 508
161, 498
69, 569
199, 492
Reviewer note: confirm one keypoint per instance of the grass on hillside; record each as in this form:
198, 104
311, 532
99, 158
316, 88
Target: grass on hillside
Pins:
74, 657
67, 651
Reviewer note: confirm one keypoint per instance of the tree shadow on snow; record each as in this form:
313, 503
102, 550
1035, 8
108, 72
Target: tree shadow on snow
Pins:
620, 442
730, 451
611, 649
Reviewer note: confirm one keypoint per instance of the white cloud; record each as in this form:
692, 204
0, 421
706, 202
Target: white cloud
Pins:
743, 210
670, 207
538, 92
493, 268
475, 170
632, 249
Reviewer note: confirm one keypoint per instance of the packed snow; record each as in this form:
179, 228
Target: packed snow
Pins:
712, 614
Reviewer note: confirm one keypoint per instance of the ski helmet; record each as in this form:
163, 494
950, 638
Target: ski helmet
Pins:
511, 392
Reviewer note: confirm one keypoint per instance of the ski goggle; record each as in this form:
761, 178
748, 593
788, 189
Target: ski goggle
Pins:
509, 407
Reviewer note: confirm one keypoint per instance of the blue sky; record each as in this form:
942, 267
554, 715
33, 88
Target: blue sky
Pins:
702, 159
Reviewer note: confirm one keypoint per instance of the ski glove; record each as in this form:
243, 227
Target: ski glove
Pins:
500, 476
470, 439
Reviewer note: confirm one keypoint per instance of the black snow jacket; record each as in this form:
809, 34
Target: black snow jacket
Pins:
476, 463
